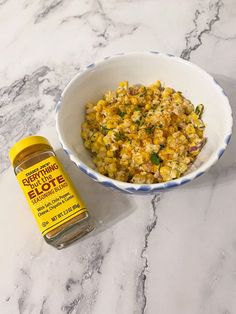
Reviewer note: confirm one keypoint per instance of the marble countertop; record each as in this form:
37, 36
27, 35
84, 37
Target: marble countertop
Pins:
171, 253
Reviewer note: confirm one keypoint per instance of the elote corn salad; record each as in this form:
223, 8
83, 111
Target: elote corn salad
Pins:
143, 134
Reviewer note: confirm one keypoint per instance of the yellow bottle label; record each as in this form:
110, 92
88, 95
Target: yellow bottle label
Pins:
50, 194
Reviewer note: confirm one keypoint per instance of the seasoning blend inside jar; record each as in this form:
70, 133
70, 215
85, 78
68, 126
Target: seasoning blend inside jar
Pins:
61, 215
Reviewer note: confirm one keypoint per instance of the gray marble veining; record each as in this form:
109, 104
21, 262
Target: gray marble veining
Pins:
203, 24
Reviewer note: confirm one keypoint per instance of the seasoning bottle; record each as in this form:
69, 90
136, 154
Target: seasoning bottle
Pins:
60, 213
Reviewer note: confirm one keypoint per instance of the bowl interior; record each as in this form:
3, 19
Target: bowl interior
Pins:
144, 68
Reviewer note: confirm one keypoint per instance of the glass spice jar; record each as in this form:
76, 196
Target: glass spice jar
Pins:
60, 213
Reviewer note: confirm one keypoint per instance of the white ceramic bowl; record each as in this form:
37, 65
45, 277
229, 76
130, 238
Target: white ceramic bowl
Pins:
145, 68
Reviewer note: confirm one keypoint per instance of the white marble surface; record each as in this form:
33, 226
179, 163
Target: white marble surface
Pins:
173, 253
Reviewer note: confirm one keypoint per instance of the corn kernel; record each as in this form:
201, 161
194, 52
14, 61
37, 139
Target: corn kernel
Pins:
110, 153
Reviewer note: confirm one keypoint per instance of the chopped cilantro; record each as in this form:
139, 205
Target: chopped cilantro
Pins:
150, 129
104, 130
139, 122
155, 159
143, 91
121, 113
199, 110
120, 137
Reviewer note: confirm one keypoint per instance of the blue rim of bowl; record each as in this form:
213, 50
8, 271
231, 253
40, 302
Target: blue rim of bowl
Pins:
141, 188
